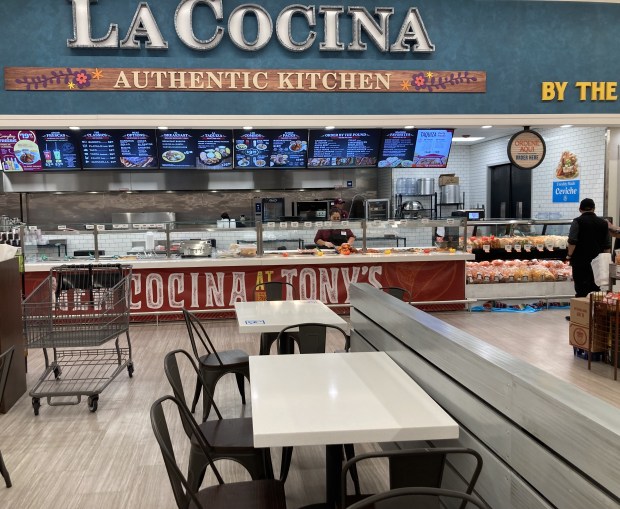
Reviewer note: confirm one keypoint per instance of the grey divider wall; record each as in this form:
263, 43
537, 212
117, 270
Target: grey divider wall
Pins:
544, 442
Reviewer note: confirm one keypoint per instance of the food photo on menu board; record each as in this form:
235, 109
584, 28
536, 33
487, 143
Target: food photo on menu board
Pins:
397, 149
19, 151
195, 149
59, 150
252, 149
432, 148
118, 149
352, 148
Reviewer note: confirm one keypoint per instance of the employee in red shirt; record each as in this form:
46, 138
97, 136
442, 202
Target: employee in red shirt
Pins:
336, 236
339, 205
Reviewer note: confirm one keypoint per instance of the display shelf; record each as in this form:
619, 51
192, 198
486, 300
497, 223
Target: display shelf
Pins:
399, 199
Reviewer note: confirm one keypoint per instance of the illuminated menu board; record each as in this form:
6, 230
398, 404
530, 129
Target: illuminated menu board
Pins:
285, 148
19, 151
397, 149
356, 148
59, 150
116, 149
195, 149
432, 148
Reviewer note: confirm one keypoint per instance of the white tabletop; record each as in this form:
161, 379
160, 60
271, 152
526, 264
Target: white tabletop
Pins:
273, 316
321, 399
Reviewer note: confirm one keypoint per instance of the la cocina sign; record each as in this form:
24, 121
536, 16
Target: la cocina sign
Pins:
411, 37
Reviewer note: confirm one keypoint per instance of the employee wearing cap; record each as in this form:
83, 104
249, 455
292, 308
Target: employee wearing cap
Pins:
339, 204
334, 237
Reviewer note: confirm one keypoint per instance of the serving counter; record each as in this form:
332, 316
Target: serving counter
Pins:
165, 286
165, 281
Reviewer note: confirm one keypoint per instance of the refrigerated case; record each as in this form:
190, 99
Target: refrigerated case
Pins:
377, 210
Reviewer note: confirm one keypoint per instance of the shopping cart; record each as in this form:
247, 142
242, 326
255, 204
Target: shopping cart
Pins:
75, 307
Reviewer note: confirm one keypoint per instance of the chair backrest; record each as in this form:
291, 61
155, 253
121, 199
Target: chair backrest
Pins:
180, 487
312, 337
417, 467
397, 291
196, 331
5, 364
275, 290
410, 498
173, 374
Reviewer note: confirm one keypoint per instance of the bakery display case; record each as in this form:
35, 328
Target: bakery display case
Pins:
525, 239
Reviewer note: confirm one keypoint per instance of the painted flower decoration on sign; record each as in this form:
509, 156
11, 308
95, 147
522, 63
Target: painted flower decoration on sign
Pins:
82, 78
431, 82
419, 80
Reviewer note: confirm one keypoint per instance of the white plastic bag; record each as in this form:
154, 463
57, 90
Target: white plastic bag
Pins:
600, 268
7, 252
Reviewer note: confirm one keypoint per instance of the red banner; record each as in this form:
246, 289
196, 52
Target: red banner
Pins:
160, 290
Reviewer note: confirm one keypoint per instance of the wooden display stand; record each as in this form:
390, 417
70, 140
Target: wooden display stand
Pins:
11, 331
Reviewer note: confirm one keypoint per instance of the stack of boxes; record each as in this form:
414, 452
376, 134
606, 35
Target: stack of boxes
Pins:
579, 329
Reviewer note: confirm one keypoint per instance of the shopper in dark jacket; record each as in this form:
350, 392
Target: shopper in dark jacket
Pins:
587, 238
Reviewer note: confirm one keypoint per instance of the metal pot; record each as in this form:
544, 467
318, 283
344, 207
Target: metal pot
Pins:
411, 209
196, 248
426, 186
451, 193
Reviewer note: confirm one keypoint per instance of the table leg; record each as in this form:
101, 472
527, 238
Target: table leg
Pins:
333, 466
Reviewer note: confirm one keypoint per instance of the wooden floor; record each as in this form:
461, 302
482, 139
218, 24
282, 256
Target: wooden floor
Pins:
70, 458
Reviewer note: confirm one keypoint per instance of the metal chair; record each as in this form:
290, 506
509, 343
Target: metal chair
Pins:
274, 291
226, 438
213, 364
412, 498
413, 468
5, 364
398, 292
312, 338
255, 494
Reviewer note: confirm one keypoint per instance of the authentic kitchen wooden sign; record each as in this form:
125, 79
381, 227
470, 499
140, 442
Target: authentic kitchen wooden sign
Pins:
242, 80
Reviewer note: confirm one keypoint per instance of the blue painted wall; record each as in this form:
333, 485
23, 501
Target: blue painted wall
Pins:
518, 43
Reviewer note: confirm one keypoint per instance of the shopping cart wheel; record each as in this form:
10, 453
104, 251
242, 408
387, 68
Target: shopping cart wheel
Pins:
36, 404
130, 369
92, 403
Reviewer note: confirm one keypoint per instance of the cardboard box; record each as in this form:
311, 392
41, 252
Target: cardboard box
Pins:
448, 178
579, 337
580, 311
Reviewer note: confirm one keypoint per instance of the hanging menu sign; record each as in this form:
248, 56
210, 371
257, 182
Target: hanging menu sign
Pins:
289, 148
19, 151
211, 150
397, 149
432, 148
252, 149
59, 149
350, 148
99, 150
137, 149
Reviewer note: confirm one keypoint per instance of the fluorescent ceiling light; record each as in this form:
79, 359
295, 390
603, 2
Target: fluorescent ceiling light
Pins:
486, 127
468, 138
